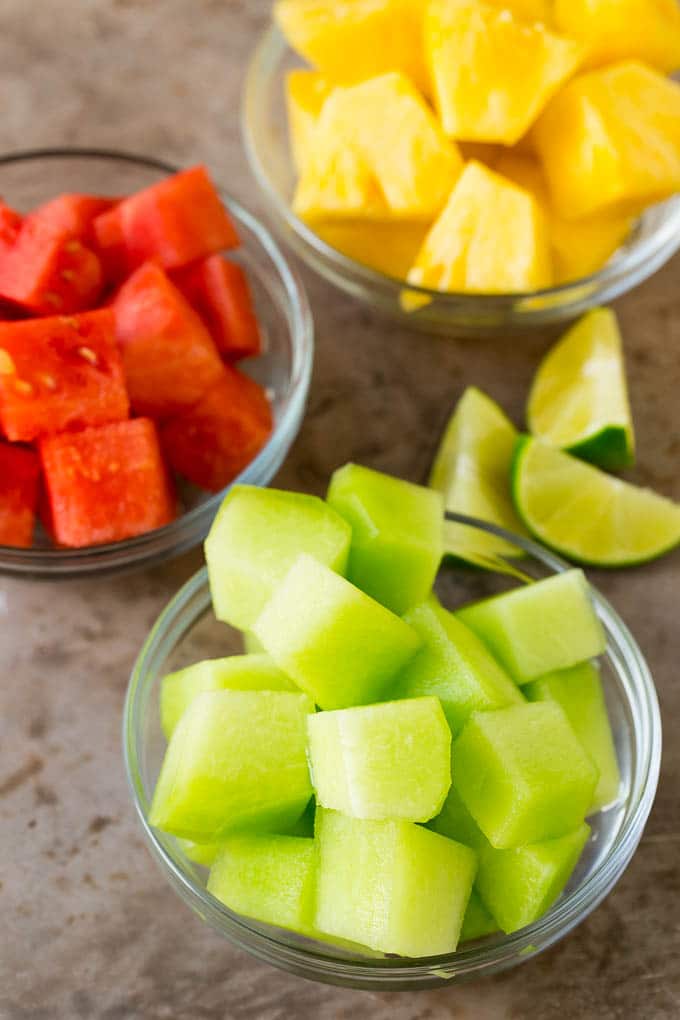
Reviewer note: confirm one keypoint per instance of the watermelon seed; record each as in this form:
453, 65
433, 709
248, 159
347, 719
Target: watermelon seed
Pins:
89, 355
48, 381
22, 386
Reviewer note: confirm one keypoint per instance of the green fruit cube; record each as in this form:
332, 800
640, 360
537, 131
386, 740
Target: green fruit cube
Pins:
382, 761
579, 691
397, 534
255, 538
522, 774
337, 644
455, 666
236, 760
478, 921
391, 885
544, 626
200, 853
518, 886
455, 822
268, 878
236, 673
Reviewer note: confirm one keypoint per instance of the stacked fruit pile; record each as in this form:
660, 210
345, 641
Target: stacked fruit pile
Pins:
452, 760
478, 145
113, 307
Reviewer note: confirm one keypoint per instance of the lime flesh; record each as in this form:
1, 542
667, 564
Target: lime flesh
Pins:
587, 515
579, 399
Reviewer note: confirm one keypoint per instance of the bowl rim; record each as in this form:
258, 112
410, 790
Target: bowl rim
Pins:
185, 531
499, 952
638, 258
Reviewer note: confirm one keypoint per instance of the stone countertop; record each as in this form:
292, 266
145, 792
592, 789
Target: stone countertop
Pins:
89, 928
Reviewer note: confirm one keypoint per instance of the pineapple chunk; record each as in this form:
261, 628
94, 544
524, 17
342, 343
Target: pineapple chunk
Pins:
389, 248
378, 153
611, 140
491, 237
615, 30
580, 247
352, 40
306, 92
526, 10
492, 73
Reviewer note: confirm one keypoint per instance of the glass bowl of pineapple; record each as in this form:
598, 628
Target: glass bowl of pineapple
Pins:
188, 630
384, 260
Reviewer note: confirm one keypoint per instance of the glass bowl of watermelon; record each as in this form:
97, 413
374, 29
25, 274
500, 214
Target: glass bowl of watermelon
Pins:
272, 895
155, 346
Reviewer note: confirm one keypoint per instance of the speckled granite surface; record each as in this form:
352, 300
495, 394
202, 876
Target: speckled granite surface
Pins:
88, 927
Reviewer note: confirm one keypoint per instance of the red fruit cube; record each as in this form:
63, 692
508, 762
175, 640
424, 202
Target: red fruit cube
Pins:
73, 214
218, 289
59, 373
211, 443
49, 272
106, 484
10, 222
177, 221
19, 476
170, 359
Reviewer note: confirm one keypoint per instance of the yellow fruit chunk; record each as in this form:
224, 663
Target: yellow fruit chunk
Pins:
580, 247
378, 153
492, 73
351, 40
306, 92
491, 237
615, 30
611, 139
527, 10
389, 248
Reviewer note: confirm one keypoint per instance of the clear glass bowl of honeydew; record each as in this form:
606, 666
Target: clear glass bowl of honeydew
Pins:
409, 663
370, 260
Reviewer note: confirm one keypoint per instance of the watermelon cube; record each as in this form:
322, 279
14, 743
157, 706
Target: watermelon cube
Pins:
73, 214
107, 483
579, 691
541, 627
218, 289
337, 643
478, 921
58, 373
522, 774
236, 673
254, 540
212, 442
19, 477
177, 221
169, 357
382, 761
453, 665
48, 271
519, 885
397, 534
268, 878
236, 761
391, 885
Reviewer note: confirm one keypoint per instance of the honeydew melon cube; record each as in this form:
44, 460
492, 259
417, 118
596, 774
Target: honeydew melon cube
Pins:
236, 761
478, 921
544, 626
255, 538
522, 774
382, 761
518, 886
200, 853
235, 673
579, 691
455, 666
397, 534
268, 878
337, 643
455, 822
391, 885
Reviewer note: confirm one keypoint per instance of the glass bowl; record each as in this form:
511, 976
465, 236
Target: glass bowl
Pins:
187, 631
265, 127
28, 178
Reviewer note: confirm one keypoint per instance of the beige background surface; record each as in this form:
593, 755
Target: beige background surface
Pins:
88, 928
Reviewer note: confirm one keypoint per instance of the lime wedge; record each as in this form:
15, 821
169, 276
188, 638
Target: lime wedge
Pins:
472, 470
579, 400
587, 515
